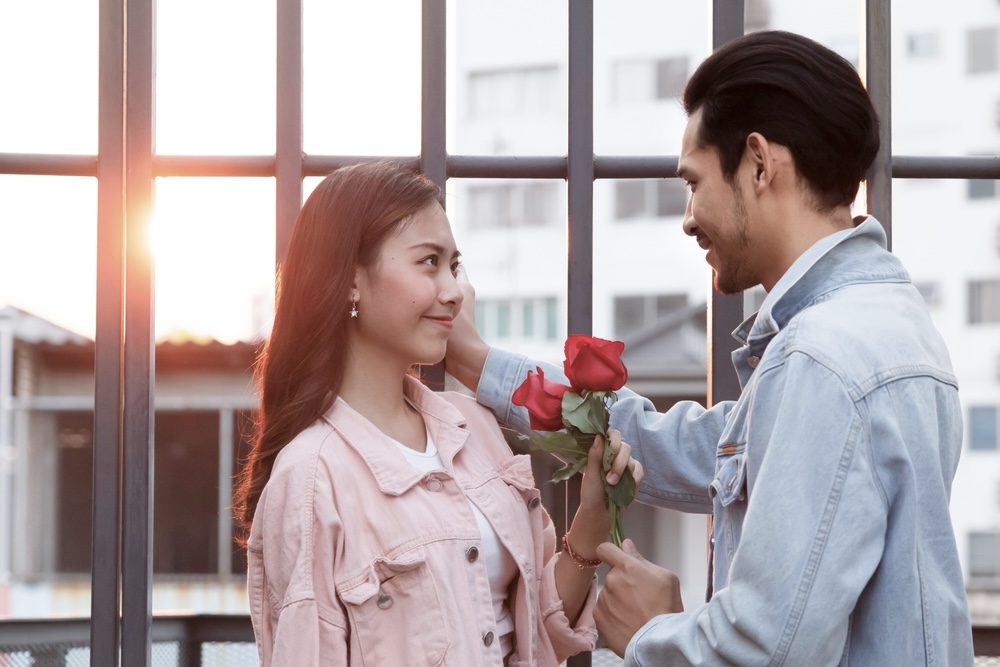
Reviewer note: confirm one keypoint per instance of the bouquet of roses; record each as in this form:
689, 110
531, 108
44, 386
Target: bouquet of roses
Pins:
576, 413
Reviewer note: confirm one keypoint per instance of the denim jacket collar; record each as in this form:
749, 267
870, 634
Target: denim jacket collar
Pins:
394, 476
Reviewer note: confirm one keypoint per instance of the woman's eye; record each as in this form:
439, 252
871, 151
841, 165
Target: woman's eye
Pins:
454, 267
432, 260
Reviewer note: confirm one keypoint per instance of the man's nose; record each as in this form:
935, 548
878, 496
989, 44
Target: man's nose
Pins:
690, 226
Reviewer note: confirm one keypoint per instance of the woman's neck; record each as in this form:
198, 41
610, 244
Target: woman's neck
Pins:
374, 390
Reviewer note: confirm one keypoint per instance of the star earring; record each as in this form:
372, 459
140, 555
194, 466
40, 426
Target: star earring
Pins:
354, 308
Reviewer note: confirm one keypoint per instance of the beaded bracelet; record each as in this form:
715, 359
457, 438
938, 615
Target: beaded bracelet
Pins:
581, 562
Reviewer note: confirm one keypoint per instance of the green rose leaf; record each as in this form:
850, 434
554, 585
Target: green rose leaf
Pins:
569, 470
586, 413
622, 493
559, 443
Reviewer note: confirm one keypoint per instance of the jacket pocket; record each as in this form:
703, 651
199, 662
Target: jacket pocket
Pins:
730, 480
396, 613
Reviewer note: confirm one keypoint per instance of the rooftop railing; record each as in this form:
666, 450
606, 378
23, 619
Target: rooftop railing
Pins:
204, 640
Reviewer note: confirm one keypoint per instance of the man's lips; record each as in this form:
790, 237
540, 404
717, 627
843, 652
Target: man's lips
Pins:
703, 242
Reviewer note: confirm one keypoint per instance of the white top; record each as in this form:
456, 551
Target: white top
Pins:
500, 566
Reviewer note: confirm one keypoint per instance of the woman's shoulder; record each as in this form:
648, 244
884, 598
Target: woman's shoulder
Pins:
472, 411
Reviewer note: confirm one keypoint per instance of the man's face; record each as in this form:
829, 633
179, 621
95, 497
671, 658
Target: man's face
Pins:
716, 214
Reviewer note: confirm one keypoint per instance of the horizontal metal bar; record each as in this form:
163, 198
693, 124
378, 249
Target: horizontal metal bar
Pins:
487, 166
459, 166
321, 165
86, 403
906, 166
31, 164
213, 165
661, 166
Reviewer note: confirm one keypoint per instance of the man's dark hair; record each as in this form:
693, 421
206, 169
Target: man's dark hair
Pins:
796, 93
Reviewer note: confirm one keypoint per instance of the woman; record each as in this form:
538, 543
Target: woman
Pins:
389, 524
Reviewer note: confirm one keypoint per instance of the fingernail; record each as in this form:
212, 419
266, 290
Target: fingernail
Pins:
612, 478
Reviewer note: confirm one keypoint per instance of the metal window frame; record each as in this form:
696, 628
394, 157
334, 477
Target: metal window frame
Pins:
126, 165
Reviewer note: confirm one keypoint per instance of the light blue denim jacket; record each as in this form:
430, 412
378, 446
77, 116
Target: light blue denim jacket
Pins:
829, 479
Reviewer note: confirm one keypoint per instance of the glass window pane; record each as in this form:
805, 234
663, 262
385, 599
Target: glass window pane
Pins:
503, 319
185, 504
671, 197
213, 242
48, 75
630, 199
671, 77
982, 50
528, 319
361, 77
983, 427
215, 77
48, 227
506, 105
984, 554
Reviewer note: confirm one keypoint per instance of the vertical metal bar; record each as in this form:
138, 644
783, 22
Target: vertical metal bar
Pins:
108, 341
227, 432
725, 313
433, 118
137, 415
876, 68
580, 168
433, 89
580, 192
288, 131
8, 454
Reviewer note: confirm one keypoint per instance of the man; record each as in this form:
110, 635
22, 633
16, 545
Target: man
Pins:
829, 478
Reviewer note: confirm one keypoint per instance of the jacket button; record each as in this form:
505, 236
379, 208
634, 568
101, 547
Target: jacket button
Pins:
384, 601
471, 554
534, 503
753, 361
488, 639
434, 484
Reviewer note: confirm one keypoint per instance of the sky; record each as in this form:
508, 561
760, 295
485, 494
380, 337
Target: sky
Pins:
213, 239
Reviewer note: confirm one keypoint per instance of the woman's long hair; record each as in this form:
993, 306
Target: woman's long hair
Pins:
298, 373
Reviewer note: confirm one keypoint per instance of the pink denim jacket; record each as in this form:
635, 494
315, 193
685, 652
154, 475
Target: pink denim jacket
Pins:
358, 558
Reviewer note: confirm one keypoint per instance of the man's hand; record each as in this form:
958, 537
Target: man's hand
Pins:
467, 351
634, 591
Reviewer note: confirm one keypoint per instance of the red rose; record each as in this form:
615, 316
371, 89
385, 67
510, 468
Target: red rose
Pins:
543, 399
595, 363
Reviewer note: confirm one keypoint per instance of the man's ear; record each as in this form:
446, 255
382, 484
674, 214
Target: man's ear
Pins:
758, 154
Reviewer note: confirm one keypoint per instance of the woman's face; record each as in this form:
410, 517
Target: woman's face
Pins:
408, 298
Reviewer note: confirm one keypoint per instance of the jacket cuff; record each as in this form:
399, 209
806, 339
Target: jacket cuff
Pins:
566, 639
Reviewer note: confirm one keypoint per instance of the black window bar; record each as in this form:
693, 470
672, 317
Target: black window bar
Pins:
126, 166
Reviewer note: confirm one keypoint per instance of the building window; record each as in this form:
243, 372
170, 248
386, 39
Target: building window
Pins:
529, 91
984, 302
756, 15
923, 45
633, 313
981, 54
983, 427
643, 81
659, 198
185, 502
984, 555
510, 319
981, 188
513, 205
930, 292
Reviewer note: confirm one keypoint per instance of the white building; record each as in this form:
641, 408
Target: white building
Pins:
512, 101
